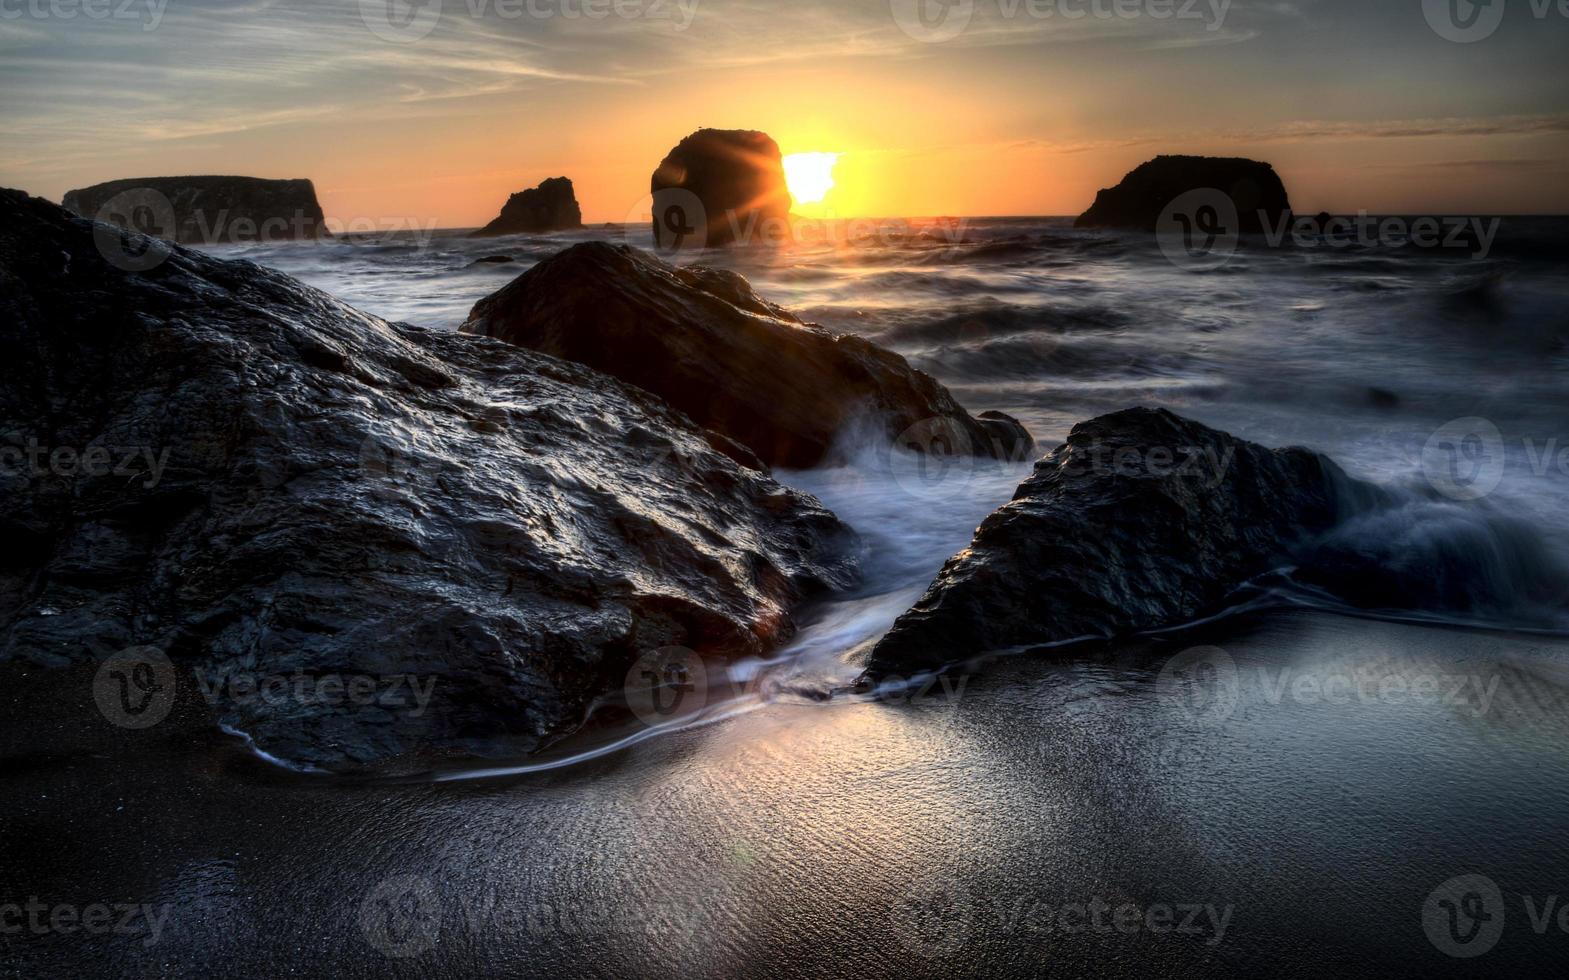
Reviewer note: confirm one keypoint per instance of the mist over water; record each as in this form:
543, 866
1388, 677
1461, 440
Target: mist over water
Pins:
1385, 358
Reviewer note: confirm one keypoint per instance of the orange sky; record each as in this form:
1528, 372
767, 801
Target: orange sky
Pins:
1359, 107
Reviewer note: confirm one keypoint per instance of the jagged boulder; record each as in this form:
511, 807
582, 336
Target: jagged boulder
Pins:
1141, 520
719, 187
205, 210
214, 460
732, 361
552, 206
1253, 189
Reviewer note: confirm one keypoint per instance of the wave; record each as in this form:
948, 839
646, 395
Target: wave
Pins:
1411, 550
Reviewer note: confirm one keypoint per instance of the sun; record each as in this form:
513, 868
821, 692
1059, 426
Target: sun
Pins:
810, 176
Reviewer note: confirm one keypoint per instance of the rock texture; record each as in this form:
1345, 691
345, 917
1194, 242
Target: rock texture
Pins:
205, 210
552, 206
718, 187
1141, 520
1138, 201
733, 362
220, 462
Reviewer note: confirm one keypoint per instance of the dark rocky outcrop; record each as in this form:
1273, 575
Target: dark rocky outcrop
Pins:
718, 187
552, 206
205, 210
733, 362
215, 460
1141, 520
1138, 201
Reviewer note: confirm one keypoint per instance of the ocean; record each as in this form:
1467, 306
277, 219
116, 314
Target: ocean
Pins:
1062, 815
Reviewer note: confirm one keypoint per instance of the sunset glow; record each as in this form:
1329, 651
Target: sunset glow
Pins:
810, 176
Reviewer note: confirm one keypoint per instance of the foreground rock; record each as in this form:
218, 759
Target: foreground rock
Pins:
1254, 189
552, 206
214, 460
205, 210
733, 362
718, 187
1141, 520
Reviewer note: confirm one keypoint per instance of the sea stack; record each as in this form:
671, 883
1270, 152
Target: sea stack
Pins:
719, 187
205, 210
1150, 189
552, 206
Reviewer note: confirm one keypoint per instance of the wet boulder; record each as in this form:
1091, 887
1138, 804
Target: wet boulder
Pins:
1141, 520
729, 359
213, 461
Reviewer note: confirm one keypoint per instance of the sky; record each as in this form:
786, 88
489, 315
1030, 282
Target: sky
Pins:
434, 113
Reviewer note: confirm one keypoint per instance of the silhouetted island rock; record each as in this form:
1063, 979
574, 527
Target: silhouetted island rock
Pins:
205, 210
552, 206
1149, 189
719, 187
1141, 520
214, 460
732, 361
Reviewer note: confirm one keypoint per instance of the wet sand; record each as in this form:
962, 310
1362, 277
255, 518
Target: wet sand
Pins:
1069, 818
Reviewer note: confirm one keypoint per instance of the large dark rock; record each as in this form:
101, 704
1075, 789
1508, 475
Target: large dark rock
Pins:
733, 362
552, 206
215, 460
1150, 188
205, 210
718, 187
1141, 520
